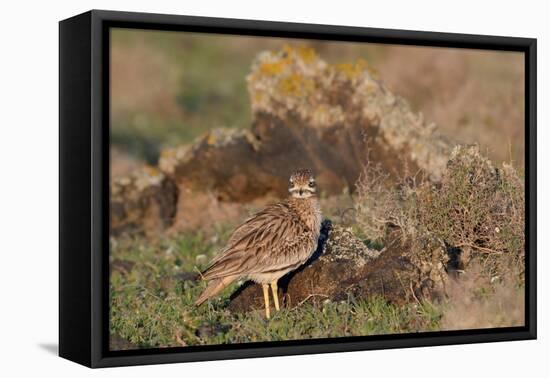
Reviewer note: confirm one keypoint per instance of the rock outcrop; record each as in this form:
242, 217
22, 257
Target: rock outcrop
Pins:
144, 201
306, 113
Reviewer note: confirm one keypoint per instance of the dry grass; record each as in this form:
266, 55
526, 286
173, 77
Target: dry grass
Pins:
381, 203
123, 164
143, 81
475, 302
473, 96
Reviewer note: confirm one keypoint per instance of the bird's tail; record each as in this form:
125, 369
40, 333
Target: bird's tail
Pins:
214, 287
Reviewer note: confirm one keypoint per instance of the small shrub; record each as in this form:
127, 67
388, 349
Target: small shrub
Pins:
476, 211
477, 301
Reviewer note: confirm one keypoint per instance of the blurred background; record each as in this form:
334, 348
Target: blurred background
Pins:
169, 87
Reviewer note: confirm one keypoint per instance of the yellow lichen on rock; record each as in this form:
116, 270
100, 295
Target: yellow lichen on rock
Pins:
134, 184
272, 68
211, 139
143, 201
296, 85
295, 81
307, 54
171, 158
288, 78
353, 71
223, 136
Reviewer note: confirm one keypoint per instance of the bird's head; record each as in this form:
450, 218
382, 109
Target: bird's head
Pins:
302, 184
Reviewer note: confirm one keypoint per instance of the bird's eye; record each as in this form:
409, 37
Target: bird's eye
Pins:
312, 184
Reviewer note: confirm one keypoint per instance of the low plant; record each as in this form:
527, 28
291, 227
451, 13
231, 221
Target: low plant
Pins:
476, 211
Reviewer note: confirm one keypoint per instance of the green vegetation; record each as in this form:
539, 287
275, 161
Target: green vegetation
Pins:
152, 297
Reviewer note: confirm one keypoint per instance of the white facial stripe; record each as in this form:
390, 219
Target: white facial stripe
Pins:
303, 189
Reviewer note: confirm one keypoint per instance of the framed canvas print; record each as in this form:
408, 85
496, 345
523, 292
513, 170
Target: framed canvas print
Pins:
234, 188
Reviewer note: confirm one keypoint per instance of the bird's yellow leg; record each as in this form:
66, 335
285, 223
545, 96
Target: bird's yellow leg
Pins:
274, 290
265, 287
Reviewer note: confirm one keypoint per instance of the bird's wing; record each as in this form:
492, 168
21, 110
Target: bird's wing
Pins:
271, 240
256, 221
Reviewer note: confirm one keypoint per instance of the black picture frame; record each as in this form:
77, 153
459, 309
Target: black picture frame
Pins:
84, 187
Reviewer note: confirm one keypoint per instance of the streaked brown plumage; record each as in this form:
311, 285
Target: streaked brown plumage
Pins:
271, 243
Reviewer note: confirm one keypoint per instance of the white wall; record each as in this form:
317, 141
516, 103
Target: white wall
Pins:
28, 185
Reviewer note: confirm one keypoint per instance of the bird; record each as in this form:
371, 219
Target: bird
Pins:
269, 244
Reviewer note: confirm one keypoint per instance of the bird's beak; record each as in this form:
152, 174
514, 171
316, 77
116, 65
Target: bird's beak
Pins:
301, 192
